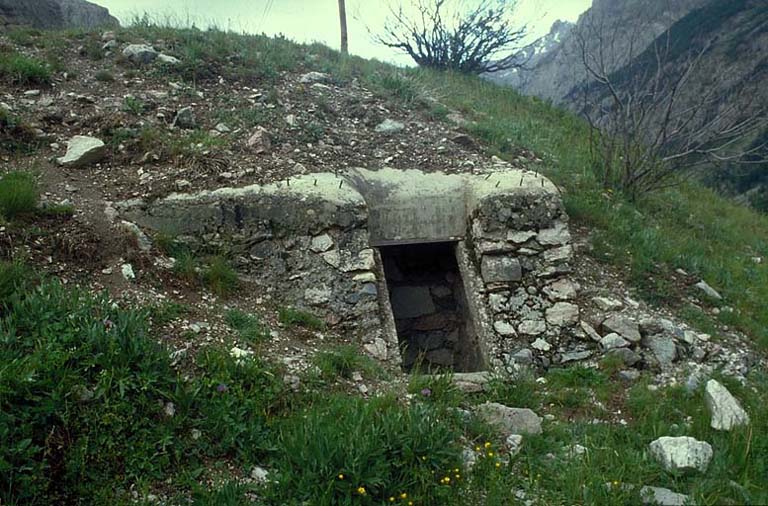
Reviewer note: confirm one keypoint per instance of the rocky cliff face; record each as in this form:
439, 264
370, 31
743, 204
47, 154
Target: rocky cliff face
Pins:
731, 35
54, 14
533, 55
631, 25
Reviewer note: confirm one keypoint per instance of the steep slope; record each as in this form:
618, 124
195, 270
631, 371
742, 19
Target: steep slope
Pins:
732, 39
184, 385
629, 24
54, 14
533, 55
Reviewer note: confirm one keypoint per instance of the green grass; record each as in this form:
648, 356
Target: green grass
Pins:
220, 277
345, 451
18, 194
85, 393
16, 135
85, 390
292, 317
342, 361
687, 227
249, 327
133, 105
23, 70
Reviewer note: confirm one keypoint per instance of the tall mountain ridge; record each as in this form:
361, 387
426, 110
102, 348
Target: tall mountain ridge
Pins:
732, 36
557, 70
52, 14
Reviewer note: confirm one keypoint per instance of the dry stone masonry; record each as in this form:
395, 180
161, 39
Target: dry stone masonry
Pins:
465, 272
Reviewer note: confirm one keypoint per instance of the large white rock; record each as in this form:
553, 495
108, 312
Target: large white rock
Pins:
681, 453
140, 53
708, 290
168, 59
321, 243
509, 420
377, 349
501, 269
726, 411
389, 126
82, 150
663, 497
314, 77
532, 327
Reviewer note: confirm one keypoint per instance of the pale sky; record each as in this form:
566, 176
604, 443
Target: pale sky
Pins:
317, 20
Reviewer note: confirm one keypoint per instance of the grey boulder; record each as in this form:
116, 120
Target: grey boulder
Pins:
623, 326
389, 126
509, 420
82, 150
726, 411
681, 453
140, 53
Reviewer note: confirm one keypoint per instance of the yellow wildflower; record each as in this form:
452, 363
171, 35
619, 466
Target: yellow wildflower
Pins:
403, 496
487, 444
392, 499
341, 476
361, 490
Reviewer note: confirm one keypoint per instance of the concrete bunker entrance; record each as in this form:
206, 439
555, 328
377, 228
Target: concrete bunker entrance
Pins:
429, 304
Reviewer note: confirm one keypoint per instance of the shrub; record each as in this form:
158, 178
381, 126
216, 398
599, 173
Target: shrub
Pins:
298, 318
22, 70
133, 105
18, 194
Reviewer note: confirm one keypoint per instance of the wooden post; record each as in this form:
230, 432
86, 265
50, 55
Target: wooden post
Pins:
343, 22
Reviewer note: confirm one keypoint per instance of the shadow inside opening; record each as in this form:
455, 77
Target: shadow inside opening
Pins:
429, 305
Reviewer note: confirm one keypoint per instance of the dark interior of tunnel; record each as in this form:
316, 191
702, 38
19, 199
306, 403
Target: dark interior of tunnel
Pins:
429, 304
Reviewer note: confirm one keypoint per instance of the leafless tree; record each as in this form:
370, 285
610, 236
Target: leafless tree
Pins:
656, 114
449, 35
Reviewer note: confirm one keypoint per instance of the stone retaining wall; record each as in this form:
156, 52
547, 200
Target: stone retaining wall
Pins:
308, 243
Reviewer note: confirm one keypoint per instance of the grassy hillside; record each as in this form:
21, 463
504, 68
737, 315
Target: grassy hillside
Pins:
687, 227
94, 411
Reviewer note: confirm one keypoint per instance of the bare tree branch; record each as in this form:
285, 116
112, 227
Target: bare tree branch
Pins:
445, 35
659, 115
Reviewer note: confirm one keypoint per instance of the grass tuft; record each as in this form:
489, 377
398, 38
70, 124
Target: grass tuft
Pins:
291, 317
23, 70
342, 361
18, 194
220, 277
250, 328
